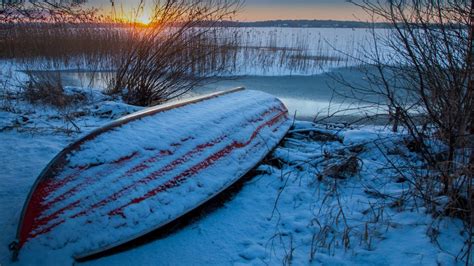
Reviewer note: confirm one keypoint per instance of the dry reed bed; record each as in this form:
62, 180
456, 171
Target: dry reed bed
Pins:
102, 46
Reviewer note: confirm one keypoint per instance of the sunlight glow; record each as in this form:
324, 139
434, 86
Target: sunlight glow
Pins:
144, 19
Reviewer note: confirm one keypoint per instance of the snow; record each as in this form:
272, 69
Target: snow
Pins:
275, 212
361, 136
249, 231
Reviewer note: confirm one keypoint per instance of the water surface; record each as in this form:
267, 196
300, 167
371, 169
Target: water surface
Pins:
308, 97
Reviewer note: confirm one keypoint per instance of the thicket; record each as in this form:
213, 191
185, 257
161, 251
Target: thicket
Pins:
422, 69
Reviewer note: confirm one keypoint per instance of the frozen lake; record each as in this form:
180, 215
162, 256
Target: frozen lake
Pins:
266, 63
307, 96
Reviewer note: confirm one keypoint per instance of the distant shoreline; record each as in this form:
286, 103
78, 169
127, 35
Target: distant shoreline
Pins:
305, 24
253, 24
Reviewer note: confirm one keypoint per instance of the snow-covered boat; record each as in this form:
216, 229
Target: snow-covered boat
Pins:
145, 170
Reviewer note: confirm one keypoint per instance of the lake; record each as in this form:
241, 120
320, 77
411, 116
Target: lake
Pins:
307, 90
306, 96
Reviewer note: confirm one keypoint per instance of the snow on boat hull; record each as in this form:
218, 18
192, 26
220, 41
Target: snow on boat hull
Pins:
145, 170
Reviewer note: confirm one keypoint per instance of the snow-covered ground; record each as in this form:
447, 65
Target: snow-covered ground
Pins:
318, 199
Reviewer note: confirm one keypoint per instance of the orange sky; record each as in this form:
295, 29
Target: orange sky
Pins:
257, 10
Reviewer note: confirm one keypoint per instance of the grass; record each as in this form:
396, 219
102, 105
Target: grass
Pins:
100, 46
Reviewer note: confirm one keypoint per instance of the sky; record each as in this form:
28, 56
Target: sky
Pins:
257, 10
298, 9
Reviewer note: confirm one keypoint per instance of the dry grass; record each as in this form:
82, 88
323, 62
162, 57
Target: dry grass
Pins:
66, 46
47, 88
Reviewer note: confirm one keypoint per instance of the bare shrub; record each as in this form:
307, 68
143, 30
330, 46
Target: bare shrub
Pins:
422, 69
179, 51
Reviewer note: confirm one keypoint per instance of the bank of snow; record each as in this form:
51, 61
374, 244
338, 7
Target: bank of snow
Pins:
298, 210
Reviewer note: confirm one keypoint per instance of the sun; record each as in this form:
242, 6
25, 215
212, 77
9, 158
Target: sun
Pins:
144, 19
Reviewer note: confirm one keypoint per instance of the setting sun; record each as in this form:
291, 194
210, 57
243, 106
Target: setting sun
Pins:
144, 19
